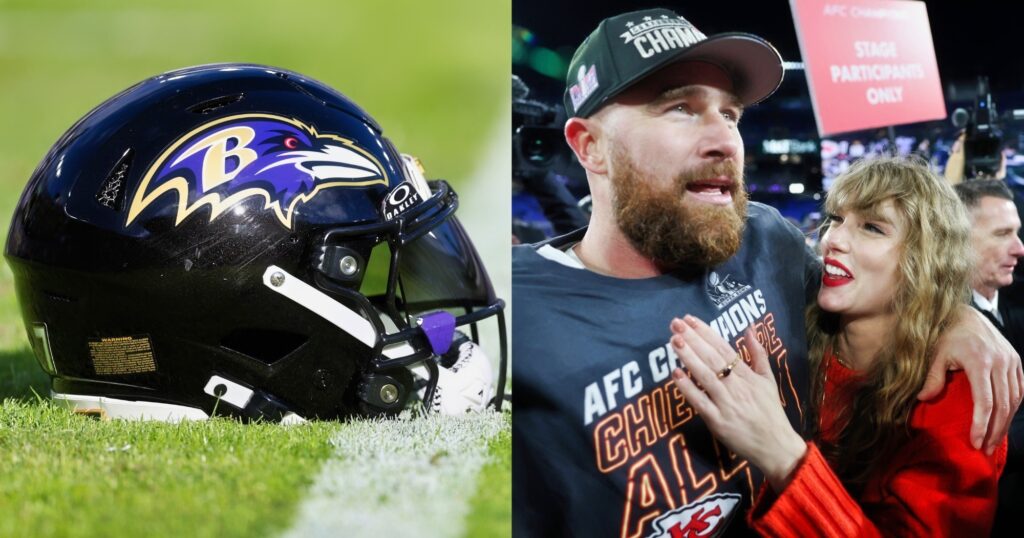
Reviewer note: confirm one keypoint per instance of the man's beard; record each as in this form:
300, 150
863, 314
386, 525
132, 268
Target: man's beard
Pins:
666, 228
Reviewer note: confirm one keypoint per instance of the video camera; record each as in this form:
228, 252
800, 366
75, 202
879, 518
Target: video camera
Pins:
537, 139
983, 139
544, 170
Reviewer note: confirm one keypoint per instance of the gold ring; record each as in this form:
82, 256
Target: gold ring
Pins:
724, 372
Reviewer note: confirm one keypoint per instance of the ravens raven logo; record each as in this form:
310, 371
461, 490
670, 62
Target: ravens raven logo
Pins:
231, 159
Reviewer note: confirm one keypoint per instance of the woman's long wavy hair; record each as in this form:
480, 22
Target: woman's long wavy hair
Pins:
934, 265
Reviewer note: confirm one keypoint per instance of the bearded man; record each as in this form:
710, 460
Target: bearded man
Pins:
603, 442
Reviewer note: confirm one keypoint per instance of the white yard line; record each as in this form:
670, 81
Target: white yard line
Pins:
415, 477
404, 477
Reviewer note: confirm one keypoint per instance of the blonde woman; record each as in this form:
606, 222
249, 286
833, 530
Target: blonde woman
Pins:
897, 259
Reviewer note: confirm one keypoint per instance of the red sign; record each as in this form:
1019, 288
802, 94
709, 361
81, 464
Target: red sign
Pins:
869, 63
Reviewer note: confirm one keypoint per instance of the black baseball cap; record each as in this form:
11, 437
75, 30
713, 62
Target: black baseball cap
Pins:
626, 48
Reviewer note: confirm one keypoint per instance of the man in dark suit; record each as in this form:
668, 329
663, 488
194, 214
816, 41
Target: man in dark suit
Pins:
994, 227
994, 236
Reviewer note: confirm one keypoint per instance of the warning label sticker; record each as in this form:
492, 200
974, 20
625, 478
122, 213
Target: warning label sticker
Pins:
122, 355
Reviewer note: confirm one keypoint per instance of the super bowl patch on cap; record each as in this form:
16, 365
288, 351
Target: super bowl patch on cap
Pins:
586, 83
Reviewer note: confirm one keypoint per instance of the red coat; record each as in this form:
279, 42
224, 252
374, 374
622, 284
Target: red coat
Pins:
937, 484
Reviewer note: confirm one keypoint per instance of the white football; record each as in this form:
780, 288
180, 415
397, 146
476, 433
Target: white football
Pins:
467, 386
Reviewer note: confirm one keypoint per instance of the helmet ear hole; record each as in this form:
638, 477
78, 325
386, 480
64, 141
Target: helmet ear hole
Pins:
265, 345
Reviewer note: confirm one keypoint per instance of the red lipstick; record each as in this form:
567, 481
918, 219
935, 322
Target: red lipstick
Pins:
839, 276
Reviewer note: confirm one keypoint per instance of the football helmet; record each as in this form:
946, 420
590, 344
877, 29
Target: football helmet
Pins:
241, 240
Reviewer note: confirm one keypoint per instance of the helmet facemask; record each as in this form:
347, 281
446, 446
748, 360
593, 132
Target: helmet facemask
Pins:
421, 280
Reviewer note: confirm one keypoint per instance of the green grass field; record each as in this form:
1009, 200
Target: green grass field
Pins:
434, 75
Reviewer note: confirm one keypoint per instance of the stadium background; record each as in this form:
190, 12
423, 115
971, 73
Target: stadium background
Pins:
787, 164
435, 77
